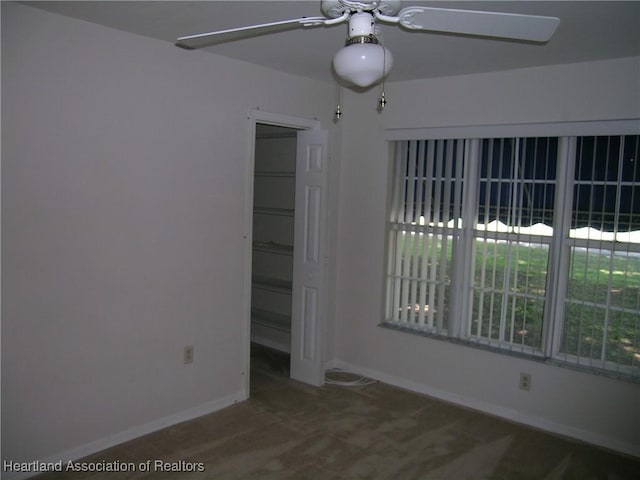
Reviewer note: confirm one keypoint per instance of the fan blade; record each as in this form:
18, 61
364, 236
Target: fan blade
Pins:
191, 42
488, 24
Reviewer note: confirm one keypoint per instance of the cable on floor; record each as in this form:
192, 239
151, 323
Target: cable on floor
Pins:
359, 380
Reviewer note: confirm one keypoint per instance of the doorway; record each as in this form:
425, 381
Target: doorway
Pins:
272, 255
286, 280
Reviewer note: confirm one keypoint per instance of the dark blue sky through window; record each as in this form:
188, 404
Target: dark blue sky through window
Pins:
516, 180
607, 183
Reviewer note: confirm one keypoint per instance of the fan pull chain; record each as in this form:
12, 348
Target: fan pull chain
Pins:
338, 112
382, 100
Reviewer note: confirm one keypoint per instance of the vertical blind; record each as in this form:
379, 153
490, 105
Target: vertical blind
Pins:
425, 222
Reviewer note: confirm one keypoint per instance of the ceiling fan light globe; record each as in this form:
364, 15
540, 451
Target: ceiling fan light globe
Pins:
362, 64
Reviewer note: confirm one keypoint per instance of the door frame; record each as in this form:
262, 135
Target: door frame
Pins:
254, 117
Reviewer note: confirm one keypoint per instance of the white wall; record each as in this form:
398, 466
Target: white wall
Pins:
593, 408
124, 172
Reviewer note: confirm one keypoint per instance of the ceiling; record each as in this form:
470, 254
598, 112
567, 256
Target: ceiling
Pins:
589, 30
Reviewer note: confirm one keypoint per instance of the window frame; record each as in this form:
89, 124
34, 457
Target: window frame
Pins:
557, 276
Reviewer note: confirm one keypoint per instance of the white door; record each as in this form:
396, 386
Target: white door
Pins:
309, 296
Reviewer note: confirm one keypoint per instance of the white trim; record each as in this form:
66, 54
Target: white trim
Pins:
254, 116
132, 433
558, 270
259, 116
552, 129
492, 409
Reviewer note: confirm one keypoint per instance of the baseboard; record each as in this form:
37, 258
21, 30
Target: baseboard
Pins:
491, 409
132, 433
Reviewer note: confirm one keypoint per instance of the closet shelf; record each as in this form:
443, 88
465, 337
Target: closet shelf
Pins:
270, 319
273, 247
275, 174
284, 212
276, 285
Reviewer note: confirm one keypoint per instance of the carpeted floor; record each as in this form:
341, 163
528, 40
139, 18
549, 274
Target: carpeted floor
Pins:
288, 430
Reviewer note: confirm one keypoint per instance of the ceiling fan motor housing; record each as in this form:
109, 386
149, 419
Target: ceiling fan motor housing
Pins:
336, 8
361, 25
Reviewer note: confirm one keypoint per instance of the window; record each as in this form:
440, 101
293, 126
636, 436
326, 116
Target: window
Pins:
527, 244
511, 238
602, 299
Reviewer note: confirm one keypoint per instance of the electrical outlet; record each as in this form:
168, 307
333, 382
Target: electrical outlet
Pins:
525, 381
188, 354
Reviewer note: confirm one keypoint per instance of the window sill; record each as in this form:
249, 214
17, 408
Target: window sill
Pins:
502, 350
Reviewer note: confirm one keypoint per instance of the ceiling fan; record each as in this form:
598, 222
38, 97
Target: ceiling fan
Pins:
364, 61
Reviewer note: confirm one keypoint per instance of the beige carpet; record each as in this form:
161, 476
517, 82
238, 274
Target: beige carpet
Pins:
288, 430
